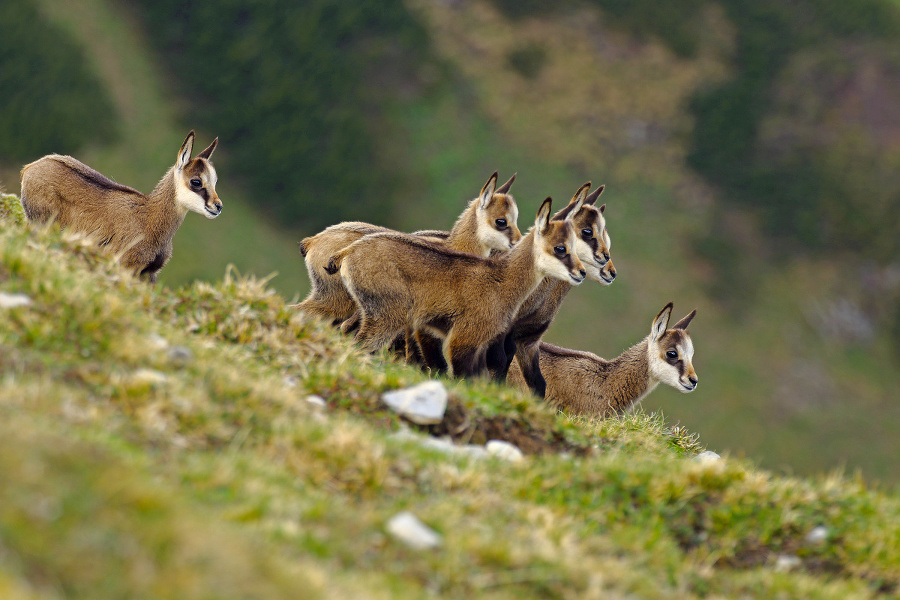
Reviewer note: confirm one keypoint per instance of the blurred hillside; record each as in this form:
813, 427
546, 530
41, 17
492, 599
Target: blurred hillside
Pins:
749, 151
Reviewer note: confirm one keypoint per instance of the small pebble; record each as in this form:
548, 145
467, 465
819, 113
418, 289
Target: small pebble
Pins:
407, 528
316, 401
817, 536
707, 457
14, 300
787, 562
504, 450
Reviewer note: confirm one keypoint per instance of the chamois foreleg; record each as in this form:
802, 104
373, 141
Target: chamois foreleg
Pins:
528, 356
430, 351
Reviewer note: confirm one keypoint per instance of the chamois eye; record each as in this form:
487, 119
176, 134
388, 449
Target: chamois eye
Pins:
587, 233
501, 223
671, 355
560, 251
196, 183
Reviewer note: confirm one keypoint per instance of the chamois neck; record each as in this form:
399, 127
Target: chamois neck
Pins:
519, 266
163, 196
628, 379
464, 235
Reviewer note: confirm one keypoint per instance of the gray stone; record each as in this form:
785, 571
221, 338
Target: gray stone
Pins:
316, 401
407, 528
180, 356
423, 404
504, 450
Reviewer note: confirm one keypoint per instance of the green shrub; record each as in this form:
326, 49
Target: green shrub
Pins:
51, 102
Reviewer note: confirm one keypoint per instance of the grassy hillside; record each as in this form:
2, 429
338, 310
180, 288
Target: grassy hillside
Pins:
158, 442
796, 367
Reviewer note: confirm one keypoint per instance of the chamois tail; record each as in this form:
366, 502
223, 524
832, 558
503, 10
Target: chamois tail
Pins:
334, 263
304, 245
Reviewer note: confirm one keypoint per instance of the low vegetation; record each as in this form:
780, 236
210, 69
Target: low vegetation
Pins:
159, 442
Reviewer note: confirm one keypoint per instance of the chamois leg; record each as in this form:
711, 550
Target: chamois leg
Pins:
529, 361
351, 323
431, 353
377, 330
499, 356
465, 357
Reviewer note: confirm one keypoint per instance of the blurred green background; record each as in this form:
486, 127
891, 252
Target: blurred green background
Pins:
750, 152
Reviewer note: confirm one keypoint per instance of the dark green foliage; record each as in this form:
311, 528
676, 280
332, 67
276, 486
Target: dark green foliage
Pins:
808, 196
528, 60
51, 102
284, 85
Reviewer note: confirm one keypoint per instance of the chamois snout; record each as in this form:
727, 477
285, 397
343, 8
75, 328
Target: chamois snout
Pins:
213, 207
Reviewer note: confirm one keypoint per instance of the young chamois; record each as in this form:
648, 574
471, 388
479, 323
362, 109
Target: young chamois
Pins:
400, 281
582, 383
139, 227
539, 309
488, 223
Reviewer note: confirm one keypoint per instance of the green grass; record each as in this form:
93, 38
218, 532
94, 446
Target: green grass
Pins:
156, 442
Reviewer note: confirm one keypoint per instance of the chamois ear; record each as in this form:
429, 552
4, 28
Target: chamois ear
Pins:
209, 150
581, 194
661, 322
683, 324
602, 207
184, 155
504, 189
487, 192
542, 221
592, 197
576, 204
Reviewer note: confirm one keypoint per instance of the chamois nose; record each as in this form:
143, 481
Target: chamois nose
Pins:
583, 273
693, 380
606, 256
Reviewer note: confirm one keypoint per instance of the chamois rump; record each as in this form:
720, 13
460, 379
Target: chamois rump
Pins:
402, 282
582, 383
488, 223
137, 226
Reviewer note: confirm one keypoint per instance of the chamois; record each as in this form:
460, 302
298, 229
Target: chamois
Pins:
400, 281
140, 227
539, 310
488, 223
582, 383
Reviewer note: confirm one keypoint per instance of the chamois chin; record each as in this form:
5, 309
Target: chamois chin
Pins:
488, 223
582, 383
137, 226
401, 282
539, 310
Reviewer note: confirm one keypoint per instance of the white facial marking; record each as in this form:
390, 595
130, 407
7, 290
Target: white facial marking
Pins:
188, 199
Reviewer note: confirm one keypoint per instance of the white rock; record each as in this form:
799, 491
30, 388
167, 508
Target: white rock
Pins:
157, 342
316, 401
423, 404
787, 562
14, 300
504, 450
817, 536
707, 457
407, 528
447, 445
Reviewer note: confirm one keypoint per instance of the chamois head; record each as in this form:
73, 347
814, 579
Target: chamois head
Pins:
671, 351
592, 245
496, 214
555, 246
195, 180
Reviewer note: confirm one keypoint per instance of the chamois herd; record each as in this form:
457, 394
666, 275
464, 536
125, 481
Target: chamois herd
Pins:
475, 300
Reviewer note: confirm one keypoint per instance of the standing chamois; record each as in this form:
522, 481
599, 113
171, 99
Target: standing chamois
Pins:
582, 383
488, 223
540, 308
139, 227
402, 282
